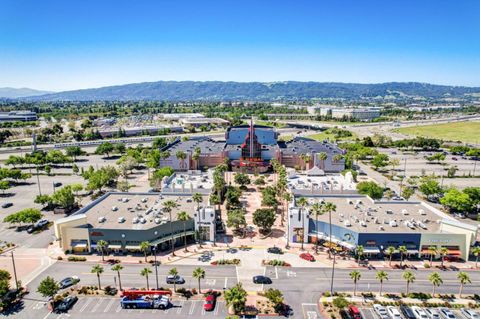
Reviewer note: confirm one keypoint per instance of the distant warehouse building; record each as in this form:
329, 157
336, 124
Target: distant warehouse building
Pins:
18, 116
206, 121
138, 130
377, 225
361, 114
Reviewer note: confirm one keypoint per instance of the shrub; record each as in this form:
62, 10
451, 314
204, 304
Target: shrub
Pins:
75, 258
59, 258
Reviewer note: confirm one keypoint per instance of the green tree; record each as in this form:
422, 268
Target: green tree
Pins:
476, 253
106, 148
340, 302
443, 253
97, 270
409, 278
145, 248
429, 186
436, 281
457, 201
181, 156
355, 275
236, 297
264, 218
236, 220
302, 202
74, 152
242, 180
199, 274
381, 276
159, 174
275, 296
464, 279
26, 216
174, 272
380, 160
118, 268
371, 189
184, 217
144, 273
317, 210
102, 245
389, 252
403, 251
407, 192
64, 197
48, 287
168, 206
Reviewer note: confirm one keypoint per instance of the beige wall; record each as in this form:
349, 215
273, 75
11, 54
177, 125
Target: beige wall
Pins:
66, 230
439, 240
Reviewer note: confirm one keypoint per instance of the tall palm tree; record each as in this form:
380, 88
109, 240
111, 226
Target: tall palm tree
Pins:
389, 252
381, 276
464, 279
403, 251
436, 281
443, 253
476, 253
329, 208
302, 202
97, 269
337, 158
118, 268
359, 250
355, 275
184, 217
287, 198
102, 245
145, 247
323, 157
198, 198
199, 274
181, 155
236, 297
174, 272
433, 251
409, 278
145, 272
317, 210
168, 206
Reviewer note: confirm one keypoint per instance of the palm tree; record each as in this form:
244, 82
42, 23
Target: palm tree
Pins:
287, 198
184, 217
97, 269
117, 268
359, 251
323, 157
409, 278
145, 247
464, 279
436, 281
174, 272
443, 253
317, 210
236, 297
381, 276
433, 251
302, 202
145, 272
181, 155
102, 245
168, 206
355, 275
403, 251
476, 253
198, 198
199, 274
389, 252
329, 208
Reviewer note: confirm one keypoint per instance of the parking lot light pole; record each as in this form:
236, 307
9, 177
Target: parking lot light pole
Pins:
14, 271
156, 265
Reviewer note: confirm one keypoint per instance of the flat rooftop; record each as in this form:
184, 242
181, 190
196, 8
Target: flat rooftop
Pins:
207, 145
139, 210
359, 214
191, 180
326, 183
303, 145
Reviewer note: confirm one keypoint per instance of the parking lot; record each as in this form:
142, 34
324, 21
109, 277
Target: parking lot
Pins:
369, 313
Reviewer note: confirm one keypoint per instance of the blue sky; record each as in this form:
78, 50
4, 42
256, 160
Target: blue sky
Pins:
70, 44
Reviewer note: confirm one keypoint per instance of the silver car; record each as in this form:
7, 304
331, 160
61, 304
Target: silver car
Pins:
432, 313
447, 314
381, 311
469, 314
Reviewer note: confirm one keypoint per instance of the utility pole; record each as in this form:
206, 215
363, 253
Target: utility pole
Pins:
14, 271
156, 265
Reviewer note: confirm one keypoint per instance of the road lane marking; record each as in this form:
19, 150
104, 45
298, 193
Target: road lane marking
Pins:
311, 314
210, 282
119, 307
276, 272
109, 305
294, 274
89, 300
226, 281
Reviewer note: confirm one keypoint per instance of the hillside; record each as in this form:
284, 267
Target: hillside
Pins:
258, 91
13, 93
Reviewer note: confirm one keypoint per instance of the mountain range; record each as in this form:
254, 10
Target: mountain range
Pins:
249, 91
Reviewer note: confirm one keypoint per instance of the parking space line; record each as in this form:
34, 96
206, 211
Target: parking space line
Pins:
89, 301
109, 305
192, 308
182, 303
100, 301
216, 309
119, 307
226, 281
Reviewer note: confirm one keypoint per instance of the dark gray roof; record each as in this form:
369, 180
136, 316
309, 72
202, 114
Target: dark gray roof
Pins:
206, 144
303, 145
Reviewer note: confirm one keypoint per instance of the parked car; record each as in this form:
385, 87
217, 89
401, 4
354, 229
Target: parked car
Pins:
6, 205
419, 313
393, 312
275, 250
447, 313
469, 314
39, 225
454, 159
307, 256
407, 312
66, 304
262, 280
57, 184
175, 279
381, 311
354, 313
432, 313
209, 303
69, 281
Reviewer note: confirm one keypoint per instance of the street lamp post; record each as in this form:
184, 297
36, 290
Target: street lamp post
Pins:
14, 271
156, 265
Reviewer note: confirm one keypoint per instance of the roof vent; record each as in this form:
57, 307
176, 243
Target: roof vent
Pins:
101, 219
114, 208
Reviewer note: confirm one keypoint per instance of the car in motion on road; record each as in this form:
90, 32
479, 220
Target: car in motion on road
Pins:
6, 205
209, 303
262, 280
66, 304
469, 314
419, 313
381, 311
447, 313
393, 312
69, 281
307, 257
175, 279
407, 312
275, 250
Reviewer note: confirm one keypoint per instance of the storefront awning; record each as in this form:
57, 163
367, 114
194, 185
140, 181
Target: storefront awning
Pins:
454, 252
168, 238
79, 245
412, 251
115, 246
371, 250
132, 247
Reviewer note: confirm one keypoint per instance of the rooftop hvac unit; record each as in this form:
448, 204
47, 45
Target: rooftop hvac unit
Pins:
381, 228
404, 212
125, 200
114, 208
359, 202
356, 206
139, 215
422, 212
422, 225
144, 200
135, 220
157, 220
121, 219
389, 211
341, 215
349, 201
362, 223
101, 219
375, 220
148, 211
347, 223
143, 220
393, 223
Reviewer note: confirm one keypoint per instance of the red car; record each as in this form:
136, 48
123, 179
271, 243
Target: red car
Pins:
210, 301
307, 256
